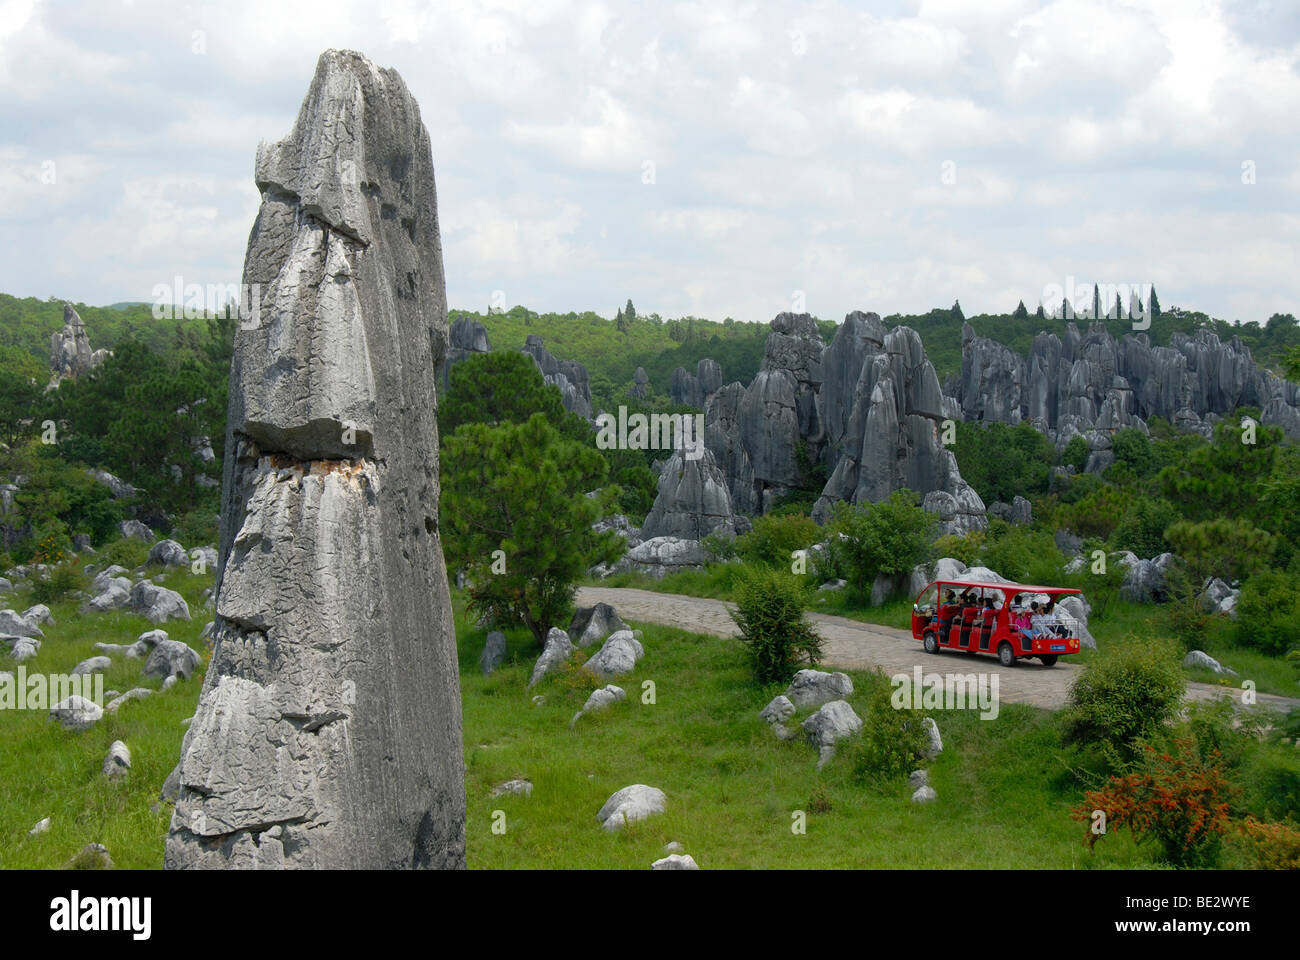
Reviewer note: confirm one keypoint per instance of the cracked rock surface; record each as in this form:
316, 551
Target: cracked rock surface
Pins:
328, 730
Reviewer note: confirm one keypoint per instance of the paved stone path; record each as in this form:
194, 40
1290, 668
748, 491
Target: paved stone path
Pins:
855, 645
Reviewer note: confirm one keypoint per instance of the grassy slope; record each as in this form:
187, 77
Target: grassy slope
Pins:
46, 771
732, 787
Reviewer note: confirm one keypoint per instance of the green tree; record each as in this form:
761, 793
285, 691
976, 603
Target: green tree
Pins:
22, 381
867, 540
1225, 477
504, 387
520, 489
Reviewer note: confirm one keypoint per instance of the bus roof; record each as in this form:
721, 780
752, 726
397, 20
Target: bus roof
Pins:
1005, 587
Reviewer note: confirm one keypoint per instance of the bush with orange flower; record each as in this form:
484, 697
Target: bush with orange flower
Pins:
1176, 798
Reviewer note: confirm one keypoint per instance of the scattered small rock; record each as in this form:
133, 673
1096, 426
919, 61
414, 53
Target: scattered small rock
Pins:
118, 761
76, 713
93, 856
935, 745
41, 826
925, 794
558, 649
494, 651
676, 861
1199, 658
629, 804
812, 688
522, 788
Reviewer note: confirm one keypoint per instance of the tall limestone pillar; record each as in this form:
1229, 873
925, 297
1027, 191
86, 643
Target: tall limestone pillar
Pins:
328, 732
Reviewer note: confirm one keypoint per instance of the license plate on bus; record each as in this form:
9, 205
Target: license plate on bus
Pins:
1058, 648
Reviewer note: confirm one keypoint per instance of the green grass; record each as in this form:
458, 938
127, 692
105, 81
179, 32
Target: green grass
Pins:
1005, 793
732, 787
46, 771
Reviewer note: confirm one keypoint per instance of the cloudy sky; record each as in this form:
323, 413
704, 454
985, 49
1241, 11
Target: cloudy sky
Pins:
711, 158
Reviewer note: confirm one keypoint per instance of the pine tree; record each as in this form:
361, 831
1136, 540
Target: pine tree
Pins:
1021, 313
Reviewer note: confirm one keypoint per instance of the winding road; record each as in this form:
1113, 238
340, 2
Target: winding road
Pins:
853, 645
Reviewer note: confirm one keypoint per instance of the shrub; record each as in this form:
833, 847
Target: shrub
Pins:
967, 548
720, 546
1271, 778
58, 583
774, 538
1075, 454
820, 800
872, 539
769, 610
1098, 513
125, 552
1026, 556
1143, 528
197, 528
1270, 846
1122, 697
892, 738
1176, 799
1267, 612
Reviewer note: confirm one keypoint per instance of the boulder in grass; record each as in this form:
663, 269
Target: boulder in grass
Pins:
171, 658
118, 761
558, 649
22, 649
113, 597
13, 624
158, 603
76, 713
135, 530
625, 806
168, 553
1199, 658
518, 788
834, 722
41, 826
925, 794
618, 656
135, 693
92, 665
599, 700
38, 614
591, 625
109, 575
934, 743
494, 651
676, 861
93, 856
812, 688
779, 710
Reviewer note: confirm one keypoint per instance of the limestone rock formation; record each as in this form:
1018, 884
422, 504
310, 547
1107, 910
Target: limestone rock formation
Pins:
692, 501
70, 353
1090, 384
328, 729
640, 388
465, 338
696, 389
882, 410
568, 375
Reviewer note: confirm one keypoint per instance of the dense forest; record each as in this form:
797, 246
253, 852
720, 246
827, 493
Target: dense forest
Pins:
154, 413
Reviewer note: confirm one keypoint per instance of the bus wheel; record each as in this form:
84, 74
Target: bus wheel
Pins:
930, 642
1049, 660
1006, 656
